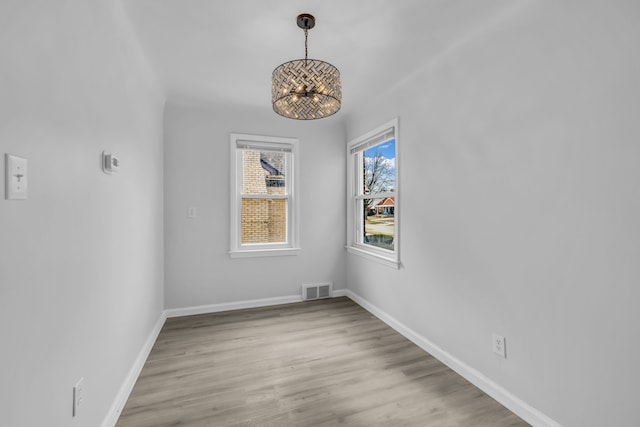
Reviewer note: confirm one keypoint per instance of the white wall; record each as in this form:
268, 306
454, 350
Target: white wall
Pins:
198, 269
81, 276
520, 206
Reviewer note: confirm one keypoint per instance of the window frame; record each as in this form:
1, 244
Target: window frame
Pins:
292, 245
355, 224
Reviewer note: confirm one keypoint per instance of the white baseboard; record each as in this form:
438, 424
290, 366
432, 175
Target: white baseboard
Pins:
504, 397
130, 380
339, 293
214, 308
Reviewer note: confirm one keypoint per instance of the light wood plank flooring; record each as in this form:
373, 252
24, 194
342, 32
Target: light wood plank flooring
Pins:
320, 363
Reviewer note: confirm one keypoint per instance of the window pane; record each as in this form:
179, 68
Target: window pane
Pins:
379, 222
264, 221
263, 172
380, 168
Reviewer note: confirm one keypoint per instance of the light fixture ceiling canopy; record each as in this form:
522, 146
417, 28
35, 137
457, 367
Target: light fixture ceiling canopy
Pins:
306, 89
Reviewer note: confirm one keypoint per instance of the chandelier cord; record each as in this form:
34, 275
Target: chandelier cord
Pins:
306, 48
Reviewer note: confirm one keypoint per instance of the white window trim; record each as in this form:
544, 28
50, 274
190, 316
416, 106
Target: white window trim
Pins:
382, 256
292, 247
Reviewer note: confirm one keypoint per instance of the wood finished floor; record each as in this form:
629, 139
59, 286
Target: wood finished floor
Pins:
320, 363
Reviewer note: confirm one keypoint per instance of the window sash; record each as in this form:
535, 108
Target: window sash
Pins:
240, 167
382, 234
274, 244
358, 158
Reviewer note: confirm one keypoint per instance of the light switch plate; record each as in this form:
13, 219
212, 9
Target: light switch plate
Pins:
15, 177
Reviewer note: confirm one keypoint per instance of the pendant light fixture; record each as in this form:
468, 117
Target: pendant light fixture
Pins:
306, 89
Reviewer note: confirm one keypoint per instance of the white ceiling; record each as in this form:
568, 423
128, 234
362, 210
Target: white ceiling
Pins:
225, 51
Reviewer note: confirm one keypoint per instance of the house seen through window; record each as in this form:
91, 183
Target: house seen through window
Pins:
379, 175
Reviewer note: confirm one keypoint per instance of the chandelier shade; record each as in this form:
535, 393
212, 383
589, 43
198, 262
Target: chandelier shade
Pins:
306, 89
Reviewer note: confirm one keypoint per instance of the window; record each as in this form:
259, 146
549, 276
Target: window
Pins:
263, 196
372, 206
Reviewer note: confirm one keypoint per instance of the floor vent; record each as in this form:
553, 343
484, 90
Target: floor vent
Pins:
318, 291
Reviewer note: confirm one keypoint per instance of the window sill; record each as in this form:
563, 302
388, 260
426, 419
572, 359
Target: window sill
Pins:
380, 259
264, 252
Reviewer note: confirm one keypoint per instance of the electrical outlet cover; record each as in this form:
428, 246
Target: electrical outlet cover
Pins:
499, 345
78, 396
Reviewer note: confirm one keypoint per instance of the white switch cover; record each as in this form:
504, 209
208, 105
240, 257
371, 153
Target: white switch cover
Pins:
16, 177
192, 212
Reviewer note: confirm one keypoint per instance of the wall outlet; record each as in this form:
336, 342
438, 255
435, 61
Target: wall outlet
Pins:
499, 345
78, 396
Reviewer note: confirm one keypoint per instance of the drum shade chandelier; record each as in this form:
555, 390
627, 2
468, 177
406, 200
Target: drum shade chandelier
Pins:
306, 89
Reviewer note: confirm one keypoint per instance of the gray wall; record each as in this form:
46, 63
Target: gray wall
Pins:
198, 269
81, 260
519, 151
